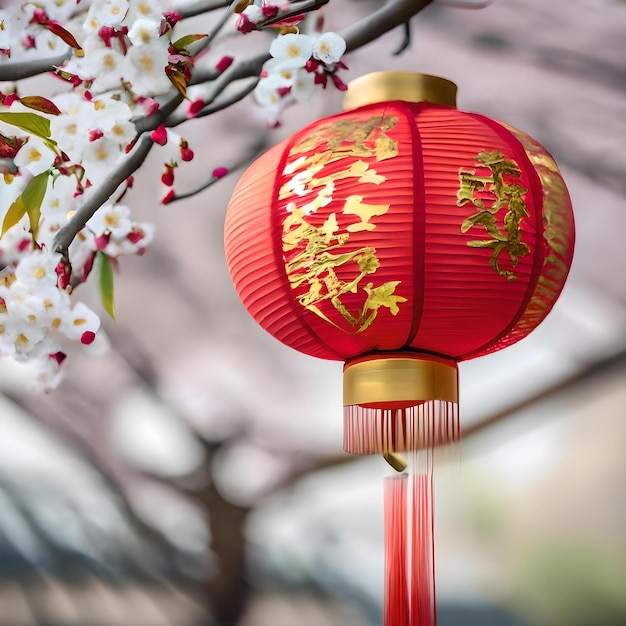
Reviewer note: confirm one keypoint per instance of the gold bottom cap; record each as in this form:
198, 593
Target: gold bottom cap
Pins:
399, 379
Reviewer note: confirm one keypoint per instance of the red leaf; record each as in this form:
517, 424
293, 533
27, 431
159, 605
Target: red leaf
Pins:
9, 146
56, 29
39, 103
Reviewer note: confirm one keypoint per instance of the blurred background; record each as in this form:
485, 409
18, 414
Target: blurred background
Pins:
194, 473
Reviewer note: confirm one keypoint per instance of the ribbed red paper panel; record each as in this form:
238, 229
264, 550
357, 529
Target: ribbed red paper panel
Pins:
258, 278
469, 299
558, 236
343, 222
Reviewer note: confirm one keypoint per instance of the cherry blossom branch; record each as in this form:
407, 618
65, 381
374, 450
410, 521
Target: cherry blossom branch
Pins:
99, 195
393, 14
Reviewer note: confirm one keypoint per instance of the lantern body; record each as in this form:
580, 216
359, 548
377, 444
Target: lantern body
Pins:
401, 227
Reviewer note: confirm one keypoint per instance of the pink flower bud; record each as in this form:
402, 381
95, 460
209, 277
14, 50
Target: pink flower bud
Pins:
150, 106
220, 172
186, 154
194, 107
269, 11
167, 178
95, 134
10, 99
339, 83
23, 245
135, 235
102, 241
88, 266
224, 63
63, 272
87, 338
244, 24
168, 197
311, 65
172, 17
159, 135
28, 42
59, 357
106, 33
39, 17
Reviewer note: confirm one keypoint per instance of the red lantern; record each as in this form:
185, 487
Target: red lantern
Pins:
400, 236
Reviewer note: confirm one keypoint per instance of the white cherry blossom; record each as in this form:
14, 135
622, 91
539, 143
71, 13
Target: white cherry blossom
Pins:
144, 9
329, 47
144, 31
145, 68
37, 271
111, 218
99, 157
35, 156
106, 13
79, 320
294, 50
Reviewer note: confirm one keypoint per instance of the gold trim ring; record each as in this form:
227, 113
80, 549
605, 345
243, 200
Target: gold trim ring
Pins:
399, 378
407, 86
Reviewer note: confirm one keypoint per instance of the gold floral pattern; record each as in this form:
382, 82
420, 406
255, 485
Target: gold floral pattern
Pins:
320, 262
490, 194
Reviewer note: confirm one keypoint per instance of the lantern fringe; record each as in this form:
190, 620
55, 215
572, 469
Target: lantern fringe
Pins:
409, 551
430, 425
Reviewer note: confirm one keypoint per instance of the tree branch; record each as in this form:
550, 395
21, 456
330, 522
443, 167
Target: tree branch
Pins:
393, 14
26, 69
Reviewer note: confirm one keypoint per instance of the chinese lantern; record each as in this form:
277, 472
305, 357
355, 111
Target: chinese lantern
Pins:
401, 236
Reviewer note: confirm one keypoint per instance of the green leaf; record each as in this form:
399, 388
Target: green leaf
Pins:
183, 42
28, 202
32, 197
39, 103
30, 122
16, 212
104, 271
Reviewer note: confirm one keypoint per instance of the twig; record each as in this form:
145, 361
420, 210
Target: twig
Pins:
304, 7
406, 39
251, 154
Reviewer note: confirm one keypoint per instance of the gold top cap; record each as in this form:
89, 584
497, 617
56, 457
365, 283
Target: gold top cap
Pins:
407, 86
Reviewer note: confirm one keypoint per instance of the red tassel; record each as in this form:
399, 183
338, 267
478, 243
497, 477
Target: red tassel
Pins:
397, 609
409, 551
428, 425
422, 565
